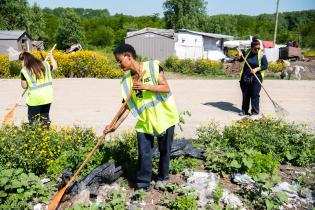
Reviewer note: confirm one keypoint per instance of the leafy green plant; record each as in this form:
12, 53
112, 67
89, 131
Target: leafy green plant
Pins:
183, 202
122, 149
139, 195
256, 147
116, 200
178, 164
217, 193
286, 142
19, 190
182, 118
252, 162
260, 196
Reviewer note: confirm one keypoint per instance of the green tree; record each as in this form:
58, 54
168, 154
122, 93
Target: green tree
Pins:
36, 24
18, 15
13, 14
69, 30
51, 27
188, 14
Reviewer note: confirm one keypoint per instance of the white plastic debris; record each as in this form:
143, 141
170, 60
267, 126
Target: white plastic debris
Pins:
242, 179
231, 199
285, 187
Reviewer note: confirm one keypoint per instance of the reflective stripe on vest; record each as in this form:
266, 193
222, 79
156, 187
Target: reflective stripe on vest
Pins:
39, 91
259, 64
135, 111
47, 79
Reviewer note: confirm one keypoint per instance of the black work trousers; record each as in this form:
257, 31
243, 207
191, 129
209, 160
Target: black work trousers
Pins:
251, 94
145, 150
39, 113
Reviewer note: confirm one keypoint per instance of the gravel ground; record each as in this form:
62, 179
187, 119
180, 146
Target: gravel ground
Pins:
94, 102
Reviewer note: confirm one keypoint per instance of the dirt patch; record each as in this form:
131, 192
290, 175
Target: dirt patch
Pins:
302, 175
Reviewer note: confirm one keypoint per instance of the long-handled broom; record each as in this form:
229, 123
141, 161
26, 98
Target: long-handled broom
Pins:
280, 111
9, 117
55, 201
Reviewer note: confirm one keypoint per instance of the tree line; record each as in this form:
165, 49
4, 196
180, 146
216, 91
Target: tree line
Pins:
98, 28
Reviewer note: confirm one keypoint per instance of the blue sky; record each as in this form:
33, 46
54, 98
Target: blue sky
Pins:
149, 7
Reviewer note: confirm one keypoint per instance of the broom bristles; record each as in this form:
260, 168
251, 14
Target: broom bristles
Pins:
8, 118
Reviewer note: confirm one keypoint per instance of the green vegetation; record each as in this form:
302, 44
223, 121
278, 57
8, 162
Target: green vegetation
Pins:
247, 146
81, 64
98, 28
256, 147
20, 190
185, 199
199, 67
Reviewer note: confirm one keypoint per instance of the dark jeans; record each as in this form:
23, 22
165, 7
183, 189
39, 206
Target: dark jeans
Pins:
145, 149
250, 90
39, 113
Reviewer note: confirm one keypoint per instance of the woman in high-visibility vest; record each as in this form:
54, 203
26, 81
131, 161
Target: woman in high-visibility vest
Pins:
249, 85
36, 78
153, 105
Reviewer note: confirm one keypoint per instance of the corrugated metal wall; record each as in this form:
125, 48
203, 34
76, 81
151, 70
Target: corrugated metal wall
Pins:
152, 46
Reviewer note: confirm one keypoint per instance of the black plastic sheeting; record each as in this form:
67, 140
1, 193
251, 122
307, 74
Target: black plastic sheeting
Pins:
182, 148
108, 172
104, 174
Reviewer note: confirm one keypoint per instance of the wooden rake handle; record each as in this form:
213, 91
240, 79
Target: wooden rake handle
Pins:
55, 202
256, 77
52, 49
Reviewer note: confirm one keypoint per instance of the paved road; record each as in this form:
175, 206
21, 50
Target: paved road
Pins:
94, 102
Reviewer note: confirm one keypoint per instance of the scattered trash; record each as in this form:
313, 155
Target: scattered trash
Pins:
308, 194
242, 179
231, 199
45, 180
40, 206
285, 187
204, 183
104, 174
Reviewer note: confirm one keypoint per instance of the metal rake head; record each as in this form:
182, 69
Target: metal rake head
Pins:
280, 111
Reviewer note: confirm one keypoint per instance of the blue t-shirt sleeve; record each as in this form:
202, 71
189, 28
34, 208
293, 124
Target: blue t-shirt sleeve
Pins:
264, 63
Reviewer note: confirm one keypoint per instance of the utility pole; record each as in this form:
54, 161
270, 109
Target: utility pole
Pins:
276, 26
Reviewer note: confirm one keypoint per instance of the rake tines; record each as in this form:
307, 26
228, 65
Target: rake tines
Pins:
280, 111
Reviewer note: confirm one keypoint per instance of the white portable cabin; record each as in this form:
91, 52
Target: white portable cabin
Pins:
199, 45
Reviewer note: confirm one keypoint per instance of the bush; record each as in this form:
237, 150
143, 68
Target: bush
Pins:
79, 64
309, 53
123, 149
208, 67
279, 66
286, 142
36, 148
200, 67
256, 147
19, 190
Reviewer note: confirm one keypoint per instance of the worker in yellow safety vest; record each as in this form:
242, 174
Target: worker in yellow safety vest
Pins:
249, 85
36, 78
153, 105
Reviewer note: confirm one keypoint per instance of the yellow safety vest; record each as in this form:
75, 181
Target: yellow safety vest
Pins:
259, 63
155, 112
40, 91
